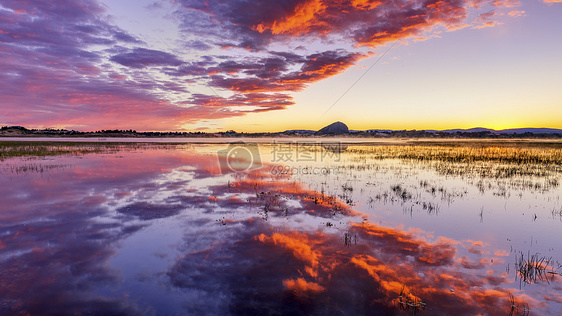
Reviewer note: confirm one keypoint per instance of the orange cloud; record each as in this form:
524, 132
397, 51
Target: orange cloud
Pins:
301, 285
380, 272
487, 24
516, 14
506, 3
365, 4
298, 244
296, 23
395, 266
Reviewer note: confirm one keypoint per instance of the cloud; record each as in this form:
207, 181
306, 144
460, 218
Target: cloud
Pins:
348, 30
54, 266
300, 19
267, 101
274, 74
516, 13
301, 285
317, 265
367, 23
66, 65
506, 3
142, 57
148, 211
485, 20
55, 65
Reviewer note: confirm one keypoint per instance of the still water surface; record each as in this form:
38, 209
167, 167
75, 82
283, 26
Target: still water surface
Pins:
167, 230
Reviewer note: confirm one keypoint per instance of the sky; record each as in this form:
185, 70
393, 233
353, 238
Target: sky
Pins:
274, 65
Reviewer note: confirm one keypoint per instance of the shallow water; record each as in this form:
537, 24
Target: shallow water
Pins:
168, 230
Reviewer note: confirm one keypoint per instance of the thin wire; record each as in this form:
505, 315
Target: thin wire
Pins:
360, 77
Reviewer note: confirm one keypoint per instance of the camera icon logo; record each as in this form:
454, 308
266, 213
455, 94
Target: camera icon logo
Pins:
239, 157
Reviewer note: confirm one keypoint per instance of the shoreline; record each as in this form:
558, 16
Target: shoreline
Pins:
297, 140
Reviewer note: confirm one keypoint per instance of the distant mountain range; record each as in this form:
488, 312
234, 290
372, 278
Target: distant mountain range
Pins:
508, 131
452, 131
502, 131
336, 128
301, 131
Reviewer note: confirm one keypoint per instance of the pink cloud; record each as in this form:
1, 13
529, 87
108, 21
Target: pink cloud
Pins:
516, 14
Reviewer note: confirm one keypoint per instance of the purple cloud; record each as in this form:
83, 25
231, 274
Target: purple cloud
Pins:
65, 65
142, 57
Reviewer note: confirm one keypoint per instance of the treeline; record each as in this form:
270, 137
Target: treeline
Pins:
22, 131
461, 134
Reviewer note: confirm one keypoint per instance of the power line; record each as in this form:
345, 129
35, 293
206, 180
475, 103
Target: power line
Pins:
360, 77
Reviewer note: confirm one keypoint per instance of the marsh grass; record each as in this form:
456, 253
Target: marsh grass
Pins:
557, 213
42, 149
409, 303
412, 198
533, 268
486, 162
270, 201
469, 153
401, 193
31, 168
347, 193
488, 168
517, 308
25, 149
349, 239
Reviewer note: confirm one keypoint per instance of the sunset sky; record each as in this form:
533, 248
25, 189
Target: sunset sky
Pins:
274, 65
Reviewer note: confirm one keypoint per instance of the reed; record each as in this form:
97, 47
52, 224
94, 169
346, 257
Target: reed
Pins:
517, 308
517, 155
409, 303
31, 149
534, 268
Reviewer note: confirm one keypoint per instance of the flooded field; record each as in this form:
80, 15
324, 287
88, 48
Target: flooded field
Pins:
421, 228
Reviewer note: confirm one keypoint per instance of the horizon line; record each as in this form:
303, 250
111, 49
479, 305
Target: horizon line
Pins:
199, 130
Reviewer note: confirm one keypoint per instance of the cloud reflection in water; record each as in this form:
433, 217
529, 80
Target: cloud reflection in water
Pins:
250, 244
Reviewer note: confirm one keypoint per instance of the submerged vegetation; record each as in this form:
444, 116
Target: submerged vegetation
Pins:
409, 303
517, 308
534, 268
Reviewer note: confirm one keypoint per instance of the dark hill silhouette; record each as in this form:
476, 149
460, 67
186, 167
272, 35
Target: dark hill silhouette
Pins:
334, 129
